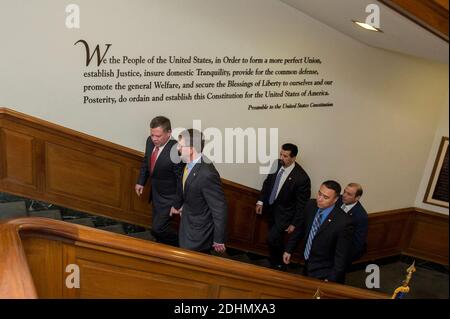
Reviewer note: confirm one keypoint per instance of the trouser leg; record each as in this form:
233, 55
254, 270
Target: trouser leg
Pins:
162, 228
276, 247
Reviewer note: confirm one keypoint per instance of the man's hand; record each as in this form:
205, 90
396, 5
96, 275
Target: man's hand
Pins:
174, 211
286, 258
258, 209
138, 189
290, 229
220, 248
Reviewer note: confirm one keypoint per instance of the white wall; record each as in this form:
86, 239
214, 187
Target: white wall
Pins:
442, 130
379, 132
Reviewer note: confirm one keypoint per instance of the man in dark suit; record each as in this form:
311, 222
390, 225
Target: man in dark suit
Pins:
202, 206
283, 197
327, 232
164, 173
350, 204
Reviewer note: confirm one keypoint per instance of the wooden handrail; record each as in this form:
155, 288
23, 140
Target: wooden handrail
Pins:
67, 132
16, 280
15, 277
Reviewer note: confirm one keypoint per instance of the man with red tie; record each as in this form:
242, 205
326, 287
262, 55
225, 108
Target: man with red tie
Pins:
163, 166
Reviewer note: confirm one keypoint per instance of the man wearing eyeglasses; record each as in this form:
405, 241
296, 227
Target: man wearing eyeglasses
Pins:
202, 205
327, 236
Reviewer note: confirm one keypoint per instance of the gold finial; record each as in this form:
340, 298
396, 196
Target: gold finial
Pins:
317, 295
404, 288
410, 270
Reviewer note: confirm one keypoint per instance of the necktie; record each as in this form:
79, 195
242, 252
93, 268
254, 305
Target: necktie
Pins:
314, 228
273, 194
153, 158
185, 175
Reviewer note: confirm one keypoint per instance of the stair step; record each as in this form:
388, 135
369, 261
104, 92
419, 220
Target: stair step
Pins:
82, 221
74, 214
13, 210
51, 213
146, 235
261, 262
242, 258
113, 228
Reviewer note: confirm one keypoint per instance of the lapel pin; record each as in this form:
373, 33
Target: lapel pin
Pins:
329, 220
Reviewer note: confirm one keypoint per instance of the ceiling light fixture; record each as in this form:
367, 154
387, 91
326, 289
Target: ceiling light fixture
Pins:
366, 26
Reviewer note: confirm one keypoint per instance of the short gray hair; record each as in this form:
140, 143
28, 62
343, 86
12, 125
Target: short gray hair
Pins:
161, 121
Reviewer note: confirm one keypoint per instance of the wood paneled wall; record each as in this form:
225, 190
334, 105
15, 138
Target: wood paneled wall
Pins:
116, 266
408, 231
44, 161
427, 236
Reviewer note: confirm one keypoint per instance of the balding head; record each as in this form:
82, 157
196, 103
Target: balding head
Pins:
352, 193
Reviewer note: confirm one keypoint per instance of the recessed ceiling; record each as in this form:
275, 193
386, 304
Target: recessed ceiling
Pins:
400, 34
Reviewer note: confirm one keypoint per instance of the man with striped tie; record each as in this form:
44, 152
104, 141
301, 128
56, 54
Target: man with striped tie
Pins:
327, 236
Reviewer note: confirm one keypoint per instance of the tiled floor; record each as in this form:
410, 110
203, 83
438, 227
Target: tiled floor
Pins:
430, 281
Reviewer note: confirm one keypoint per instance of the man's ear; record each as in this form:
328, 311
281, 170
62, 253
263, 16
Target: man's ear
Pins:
336, 199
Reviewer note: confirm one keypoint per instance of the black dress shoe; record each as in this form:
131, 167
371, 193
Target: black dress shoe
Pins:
280, 267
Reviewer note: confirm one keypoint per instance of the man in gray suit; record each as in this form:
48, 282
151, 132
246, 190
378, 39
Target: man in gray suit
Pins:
202, 203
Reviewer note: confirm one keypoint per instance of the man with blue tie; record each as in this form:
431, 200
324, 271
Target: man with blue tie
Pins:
283, 197
327, 236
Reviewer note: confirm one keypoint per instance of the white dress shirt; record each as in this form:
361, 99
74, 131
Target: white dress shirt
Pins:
347, 208
160, 149
287, 171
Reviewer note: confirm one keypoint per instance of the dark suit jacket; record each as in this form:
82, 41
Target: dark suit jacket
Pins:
204, 215
331, 247
165, 177
360, 222
292, 198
